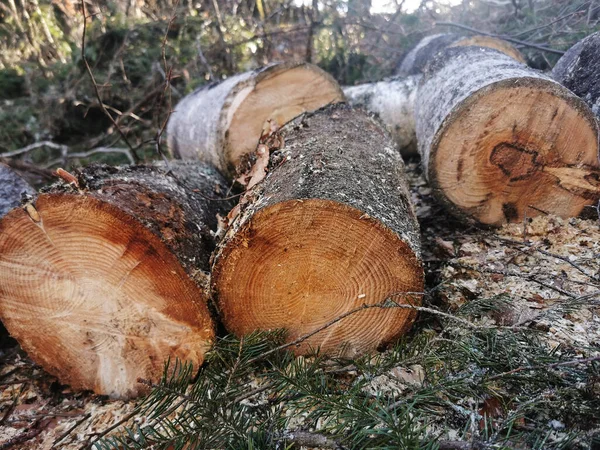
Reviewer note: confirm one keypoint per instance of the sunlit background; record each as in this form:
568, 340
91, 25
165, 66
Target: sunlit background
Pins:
409, 6
391, 6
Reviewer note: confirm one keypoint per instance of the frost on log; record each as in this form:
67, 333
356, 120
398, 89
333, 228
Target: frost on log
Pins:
220, 123
415, 60
12, 188
329, 229
499, 140
393, 101
102, 279
579, 70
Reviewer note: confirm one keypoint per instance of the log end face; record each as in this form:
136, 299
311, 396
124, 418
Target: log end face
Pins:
517, 148
96, 298
490, 42
279, 94
300, 264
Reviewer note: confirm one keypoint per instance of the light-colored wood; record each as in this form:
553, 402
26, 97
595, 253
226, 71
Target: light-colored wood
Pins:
222, 123
329, 229
100, 286
393, 101
500, 141
579, 70
427, 48
490, 42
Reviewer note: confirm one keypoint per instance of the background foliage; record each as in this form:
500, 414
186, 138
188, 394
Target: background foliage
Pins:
146, 54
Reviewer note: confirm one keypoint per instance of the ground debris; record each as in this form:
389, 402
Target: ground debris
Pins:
542, 275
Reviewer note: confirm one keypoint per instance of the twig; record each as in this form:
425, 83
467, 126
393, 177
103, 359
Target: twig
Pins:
573, 362
70, 430
547, 24
29, 168
12, 405
203, 59
35, 145
168, 74
506, 38
506, 273
388, 303
97, 91
308, 439
94, 151
550, 254
24, 437
99, 435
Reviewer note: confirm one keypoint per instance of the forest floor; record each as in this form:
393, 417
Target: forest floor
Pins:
544, 273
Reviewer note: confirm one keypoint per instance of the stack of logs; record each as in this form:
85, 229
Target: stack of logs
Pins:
288, 209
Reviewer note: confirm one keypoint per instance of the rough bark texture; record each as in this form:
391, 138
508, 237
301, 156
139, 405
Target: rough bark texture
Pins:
103, 283
203, 123
416, 59
330, 227
527, 135
12, 188
579, 70
181, 208
393, 101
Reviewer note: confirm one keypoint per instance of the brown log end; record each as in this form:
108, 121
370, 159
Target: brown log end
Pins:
490, 42
96, 298
300, 264
279, 95
520, 147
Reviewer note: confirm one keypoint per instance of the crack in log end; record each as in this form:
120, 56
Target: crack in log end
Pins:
515, 162
510, 211
593, 178
459, 168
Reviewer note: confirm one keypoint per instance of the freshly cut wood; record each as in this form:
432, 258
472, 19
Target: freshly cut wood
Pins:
220, 123
500, 141
579, 70
12, 188
102, 282
329, 229
415, 60
393, 100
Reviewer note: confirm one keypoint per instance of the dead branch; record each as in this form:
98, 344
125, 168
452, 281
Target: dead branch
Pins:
20, 151
71, 429
97, 91
65, 155
573, 362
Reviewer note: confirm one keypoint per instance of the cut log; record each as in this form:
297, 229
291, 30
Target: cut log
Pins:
12, 188
220, 123
393, 101
103, 283
329, 229
500, 141
415, 60
579, 70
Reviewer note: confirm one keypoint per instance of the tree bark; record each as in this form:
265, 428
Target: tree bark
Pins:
103, 279
12, 188
416, 59
579, 70
393, 100
329, 229
221, 123
500, 141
